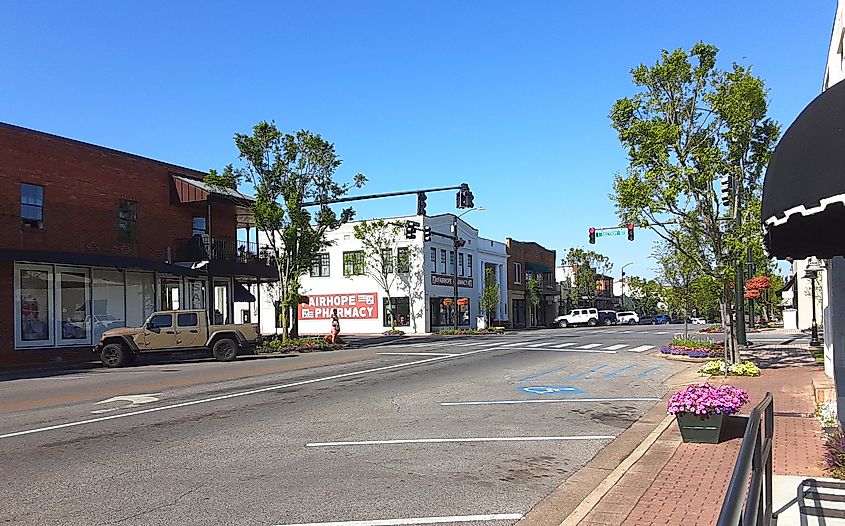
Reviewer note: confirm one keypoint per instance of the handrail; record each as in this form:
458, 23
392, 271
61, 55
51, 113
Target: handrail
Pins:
752, 504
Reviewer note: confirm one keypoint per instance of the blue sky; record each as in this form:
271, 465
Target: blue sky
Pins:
510, 97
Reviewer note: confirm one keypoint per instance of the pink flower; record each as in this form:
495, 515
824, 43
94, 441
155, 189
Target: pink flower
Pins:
703, 399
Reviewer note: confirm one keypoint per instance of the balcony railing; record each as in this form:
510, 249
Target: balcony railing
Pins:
207, 248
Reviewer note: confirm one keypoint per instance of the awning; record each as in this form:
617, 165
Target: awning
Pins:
242, 294
190, 190
804, 189
536, 267
95, 260
788, 285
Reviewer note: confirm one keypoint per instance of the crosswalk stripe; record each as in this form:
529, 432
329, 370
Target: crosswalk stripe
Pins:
641, 348
538, 345
661, 332
591, 346
615, 347
562, 345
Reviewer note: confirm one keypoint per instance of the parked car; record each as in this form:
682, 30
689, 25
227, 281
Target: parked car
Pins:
177, 331
579, 317
698, 321
608, 317
657, 319
629, 317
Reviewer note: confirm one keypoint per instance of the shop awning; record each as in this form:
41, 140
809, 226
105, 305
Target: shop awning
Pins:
95, 260
788, 285
804, 189
536, 267
190, 190
242, 294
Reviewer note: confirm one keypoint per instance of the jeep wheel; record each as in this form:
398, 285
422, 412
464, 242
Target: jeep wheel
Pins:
607, 321
654, 322
631, 322
114, 355
563, 324
225, 350
593, 322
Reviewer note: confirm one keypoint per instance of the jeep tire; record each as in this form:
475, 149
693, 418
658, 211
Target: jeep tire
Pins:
225, 350
593, 322
114, 355
607, 321
632, 322
563, 324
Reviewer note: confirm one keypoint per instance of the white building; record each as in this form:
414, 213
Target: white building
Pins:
422, 293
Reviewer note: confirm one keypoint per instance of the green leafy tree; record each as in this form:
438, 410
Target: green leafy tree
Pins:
532, 295
491, 294
586, 266
676, 274
689, 124
380, 242
225, 179
284, 171
646, 294
705, 296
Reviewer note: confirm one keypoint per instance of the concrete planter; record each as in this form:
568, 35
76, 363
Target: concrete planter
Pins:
700, 429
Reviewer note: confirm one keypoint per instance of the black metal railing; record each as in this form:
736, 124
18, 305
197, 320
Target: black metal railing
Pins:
207, 248
751, 504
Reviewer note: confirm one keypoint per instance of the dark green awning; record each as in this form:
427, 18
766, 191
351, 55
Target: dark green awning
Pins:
536, 267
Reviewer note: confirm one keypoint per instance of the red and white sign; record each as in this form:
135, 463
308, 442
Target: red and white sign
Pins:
359, 306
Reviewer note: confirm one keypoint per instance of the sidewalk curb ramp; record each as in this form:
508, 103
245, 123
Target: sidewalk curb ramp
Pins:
575, 497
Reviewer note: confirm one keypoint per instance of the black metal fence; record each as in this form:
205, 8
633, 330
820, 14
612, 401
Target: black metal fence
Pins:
202, 248
747, 503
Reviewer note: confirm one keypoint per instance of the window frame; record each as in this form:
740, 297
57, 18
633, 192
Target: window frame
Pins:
353, 263
443, 260
321, 262
517, 273
386, 261
469, 265
50, 309
460, 263
385, 304
127, 227
32, 222
403, 260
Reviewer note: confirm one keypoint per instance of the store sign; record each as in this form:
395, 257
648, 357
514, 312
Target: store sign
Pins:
449, 281
359, 306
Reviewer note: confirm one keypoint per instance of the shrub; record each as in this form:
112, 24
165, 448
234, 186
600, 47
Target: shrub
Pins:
706, 399
295, 344
692, 352
826, 413
745, 368
394, 332
461, 332
834, 455
691, 342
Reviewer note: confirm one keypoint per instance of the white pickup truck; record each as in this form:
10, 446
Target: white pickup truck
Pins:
578, 317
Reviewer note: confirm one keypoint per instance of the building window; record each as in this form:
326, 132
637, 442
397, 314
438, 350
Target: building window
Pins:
469, 265
198, 226
460, 264
107, 301
433, 260
32, 205
403, 260
401, 311
246, 316
443, 312
527, 277
442, 261
387, 260
353, 263
127, 220
451, 262
73, 288
517, 273
320, 266
34, 305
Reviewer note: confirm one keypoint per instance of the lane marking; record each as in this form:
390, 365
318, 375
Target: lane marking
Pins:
591, 346
622, 370
598, 351
134, 401
445, 440
647, 371
581, 375
549, 389
561, 345
641, 348
616, 347
239, 394
552, 401
533, 376
416, 520
417, 354
661, 332
543, 344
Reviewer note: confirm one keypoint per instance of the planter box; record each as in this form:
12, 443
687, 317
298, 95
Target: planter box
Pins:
700, 429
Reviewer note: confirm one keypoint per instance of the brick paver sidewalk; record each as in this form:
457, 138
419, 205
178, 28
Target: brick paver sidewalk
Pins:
684, 484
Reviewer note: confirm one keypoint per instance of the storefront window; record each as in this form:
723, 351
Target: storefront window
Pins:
443, 312
196, 294
72, 289
221, 302
107, 307
140, 297
34, 306
401, 312
170, 294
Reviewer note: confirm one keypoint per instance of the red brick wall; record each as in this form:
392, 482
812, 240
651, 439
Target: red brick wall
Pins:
522, 252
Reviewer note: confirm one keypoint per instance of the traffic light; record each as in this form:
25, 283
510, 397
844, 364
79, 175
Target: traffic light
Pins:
630, 232
592, 236
420, 203
726, 186
426, 233
464, 197
411, 229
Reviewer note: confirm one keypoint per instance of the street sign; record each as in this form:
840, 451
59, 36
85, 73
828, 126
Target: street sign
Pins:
550, 389
606, 233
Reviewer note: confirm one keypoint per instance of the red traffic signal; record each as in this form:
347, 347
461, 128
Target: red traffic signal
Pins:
630, 232
592, 236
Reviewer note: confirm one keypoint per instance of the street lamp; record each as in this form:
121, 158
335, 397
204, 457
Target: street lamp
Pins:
458, 242
812, 273
622, 296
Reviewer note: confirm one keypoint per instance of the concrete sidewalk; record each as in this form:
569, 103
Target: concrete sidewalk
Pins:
668, 482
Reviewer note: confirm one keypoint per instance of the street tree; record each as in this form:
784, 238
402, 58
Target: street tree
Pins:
283, 171
689, 124
490, 295
676, 274
380, 240
586, 266
532, 296
646, 294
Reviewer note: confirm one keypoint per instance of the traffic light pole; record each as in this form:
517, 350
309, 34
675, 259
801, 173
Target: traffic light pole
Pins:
463, 186
456, 242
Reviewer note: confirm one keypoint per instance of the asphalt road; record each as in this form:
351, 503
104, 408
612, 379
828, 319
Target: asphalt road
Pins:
478, 428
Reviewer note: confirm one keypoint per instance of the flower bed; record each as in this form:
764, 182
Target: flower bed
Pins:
275, 345
745, 368
707, 399
717, 329
462, 332
692, 348
394, 332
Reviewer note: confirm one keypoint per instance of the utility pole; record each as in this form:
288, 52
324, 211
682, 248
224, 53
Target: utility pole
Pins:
751, 272
622, 295
740, 281
456, 242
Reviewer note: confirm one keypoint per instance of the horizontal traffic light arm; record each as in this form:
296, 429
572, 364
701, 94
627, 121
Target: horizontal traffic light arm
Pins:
388, 194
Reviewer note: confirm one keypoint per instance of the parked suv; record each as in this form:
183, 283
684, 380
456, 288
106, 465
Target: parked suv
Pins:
579, 317
657, 319
629, 317
608, 317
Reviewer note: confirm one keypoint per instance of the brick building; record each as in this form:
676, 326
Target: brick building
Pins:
92, 238
528, 261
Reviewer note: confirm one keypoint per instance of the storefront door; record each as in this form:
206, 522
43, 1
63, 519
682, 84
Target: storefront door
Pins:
73, 299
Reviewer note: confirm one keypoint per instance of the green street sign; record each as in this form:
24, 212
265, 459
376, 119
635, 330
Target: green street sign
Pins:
605, 233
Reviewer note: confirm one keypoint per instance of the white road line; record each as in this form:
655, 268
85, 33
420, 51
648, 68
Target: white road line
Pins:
417, 354
598, 351
238, 394
552, 401
544, 344
470, 344
616, 347
641, 348
661, 332
517, 344
591, 346
444, 440
561, 345
417, 520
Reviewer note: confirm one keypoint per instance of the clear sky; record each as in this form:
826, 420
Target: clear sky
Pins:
510, 97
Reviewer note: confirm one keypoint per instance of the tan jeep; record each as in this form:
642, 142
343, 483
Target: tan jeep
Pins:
176, 330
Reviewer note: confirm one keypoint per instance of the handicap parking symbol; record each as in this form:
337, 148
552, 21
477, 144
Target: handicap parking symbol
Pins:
550, 389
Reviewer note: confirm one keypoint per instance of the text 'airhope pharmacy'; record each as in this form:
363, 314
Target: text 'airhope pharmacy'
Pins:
359, 306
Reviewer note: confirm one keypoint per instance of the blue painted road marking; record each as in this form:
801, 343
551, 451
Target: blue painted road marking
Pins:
614, 373
538, 375
551, 389
647, 371
582, 375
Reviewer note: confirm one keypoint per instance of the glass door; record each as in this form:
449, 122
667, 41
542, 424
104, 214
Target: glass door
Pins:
222, 313
170, 294
73, 300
